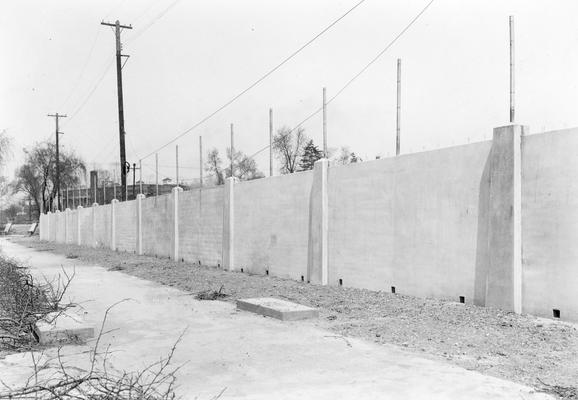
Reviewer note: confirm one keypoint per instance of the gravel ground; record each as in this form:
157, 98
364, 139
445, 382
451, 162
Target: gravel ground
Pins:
536, 352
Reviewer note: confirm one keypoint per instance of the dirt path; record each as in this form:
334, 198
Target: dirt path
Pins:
536, 352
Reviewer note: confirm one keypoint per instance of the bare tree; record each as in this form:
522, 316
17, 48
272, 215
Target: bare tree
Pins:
213, 166
5, 145
244, 167
288, 145
346, 156
37, 175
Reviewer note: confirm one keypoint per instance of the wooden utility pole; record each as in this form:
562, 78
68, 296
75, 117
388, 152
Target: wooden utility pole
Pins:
324, 124
232, 150
512, 87
270, 142
117, 30
201, 161
157, 173
398, 118
56, 117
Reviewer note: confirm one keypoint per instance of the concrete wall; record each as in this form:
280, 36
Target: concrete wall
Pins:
494, 223
550, 223
126, 226
85, 216
201, 225
393, 222
157, 225
271, 225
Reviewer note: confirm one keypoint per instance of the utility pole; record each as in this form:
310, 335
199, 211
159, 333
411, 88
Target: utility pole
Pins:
140, 175
201, 161
119, 66
133, 180
232, 150
512, 88
157, 173
324, 124
270, 142
398, 118
56, 117
177, 161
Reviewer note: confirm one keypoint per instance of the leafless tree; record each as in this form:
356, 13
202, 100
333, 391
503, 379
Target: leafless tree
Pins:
213, 166
5, 145
288, 145
36, 176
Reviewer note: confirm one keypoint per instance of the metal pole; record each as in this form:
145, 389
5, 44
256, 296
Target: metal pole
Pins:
66, 190
201, 161
140, 175
133, 180
270, 142
86, 197
104, 192
398, 118
114, 183
79, 198
512, 87
324, 124
177, 160
95, 183
157, 172
232, 150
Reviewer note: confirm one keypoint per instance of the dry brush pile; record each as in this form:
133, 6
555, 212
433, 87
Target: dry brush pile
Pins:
57, 373
25, 301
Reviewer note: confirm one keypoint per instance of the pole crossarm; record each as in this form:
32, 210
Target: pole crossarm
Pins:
115, 24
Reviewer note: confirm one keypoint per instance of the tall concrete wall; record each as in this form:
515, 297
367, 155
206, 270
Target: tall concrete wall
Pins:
393, 222
272, 225
201, 225
494, 223
85, 216
126, 226
103, 226
550, 223
157, 220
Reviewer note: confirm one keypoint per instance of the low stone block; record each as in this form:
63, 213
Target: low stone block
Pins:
276, 308
64, 329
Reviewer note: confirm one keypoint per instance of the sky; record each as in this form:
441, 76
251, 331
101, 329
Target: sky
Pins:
189, 57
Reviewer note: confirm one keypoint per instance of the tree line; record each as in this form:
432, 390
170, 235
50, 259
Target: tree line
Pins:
294, 150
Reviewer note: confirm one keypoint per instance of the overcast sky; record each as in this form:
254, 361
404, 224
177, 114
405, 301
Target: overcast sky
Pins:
188, 57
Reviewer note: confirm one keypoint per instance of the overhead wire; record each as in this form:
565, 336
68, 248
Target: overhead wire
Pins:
258, 81
358, 74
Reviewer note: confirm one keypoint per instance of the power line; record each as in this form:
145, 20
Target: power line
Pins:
152, 22
98, 82
365, 68
262, 78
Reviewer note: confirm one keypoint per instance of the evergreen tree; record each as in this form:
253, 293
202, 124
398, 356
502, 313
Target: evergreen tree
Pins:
310, 154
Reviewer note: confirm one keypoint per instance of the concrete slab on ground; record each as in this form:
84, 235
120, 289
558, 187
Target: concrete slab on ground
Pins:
63, 328
277, 308
249, 356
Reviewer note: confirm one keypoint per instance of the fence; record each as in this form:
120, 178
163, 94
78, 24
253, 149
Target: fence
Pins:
494, 223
